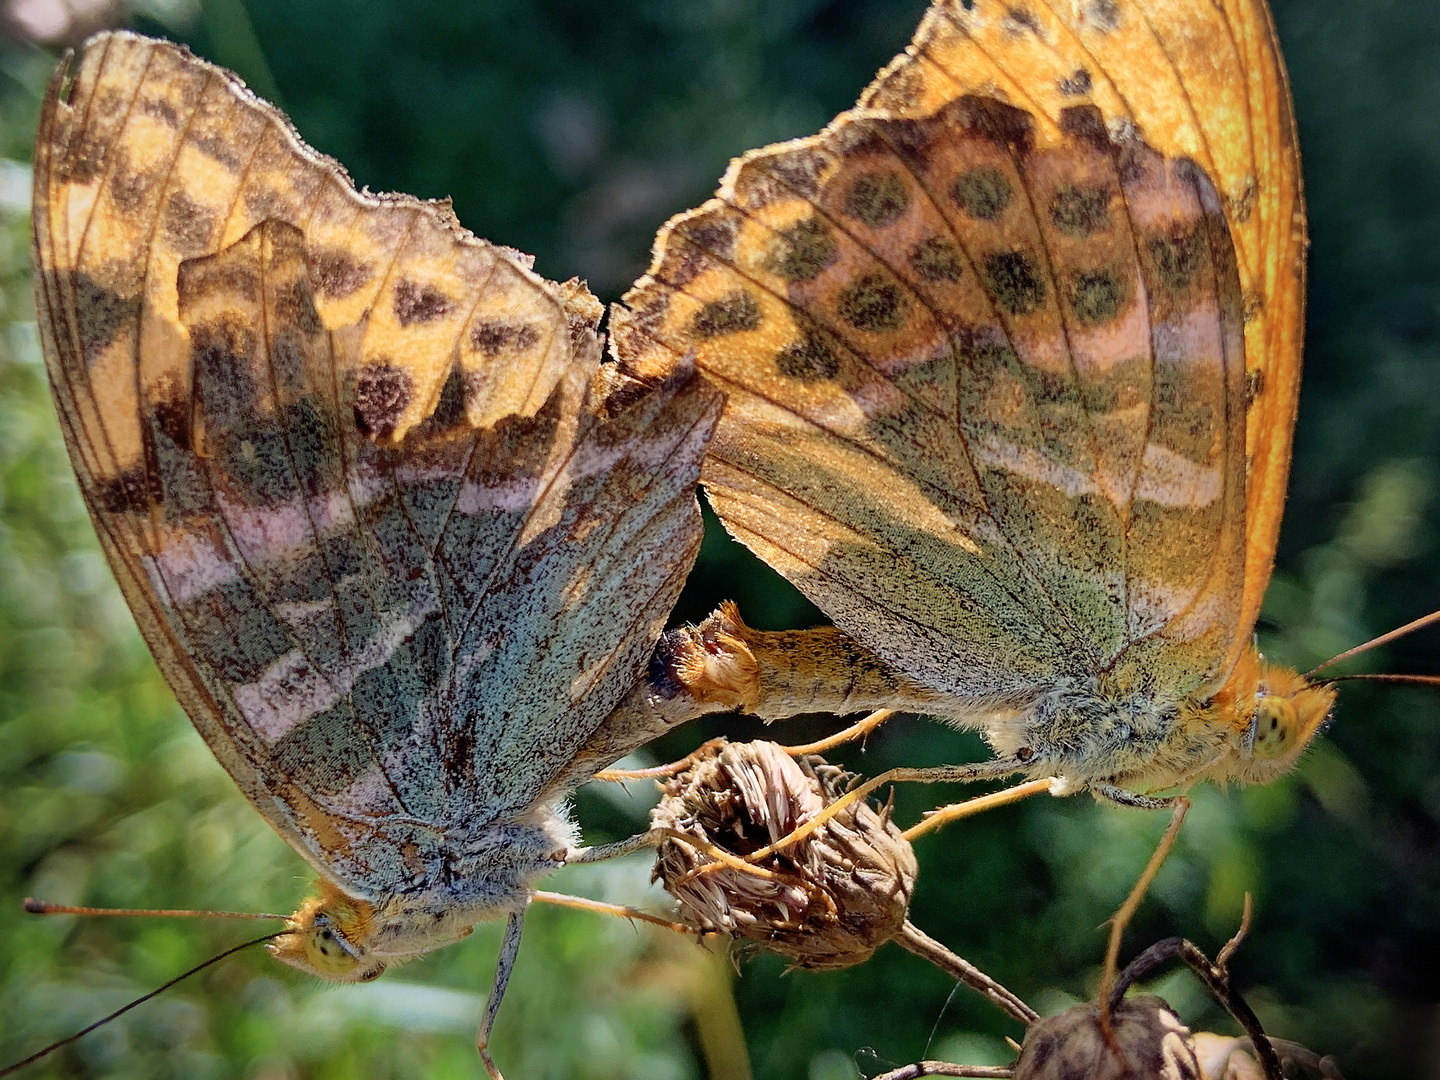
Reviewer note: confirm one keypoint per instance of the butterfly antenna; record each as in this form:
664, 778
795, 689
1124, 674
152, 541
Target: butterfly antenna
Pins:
1375, 643
44, 907
17, 1066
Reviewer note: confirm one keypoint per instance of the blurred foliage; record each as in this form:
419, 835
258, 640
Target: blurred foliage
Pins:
573, 129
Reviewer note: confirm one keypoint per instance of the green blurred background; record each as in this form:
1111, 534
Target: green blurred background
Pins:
572, 129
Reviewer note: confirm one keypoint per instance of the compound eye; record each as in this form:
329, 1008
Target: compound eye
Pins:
328, 946
1272, 731
328, 954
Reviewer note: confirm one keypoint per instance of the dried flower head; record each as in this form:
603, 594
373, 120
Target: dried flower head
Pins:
1153, 1044
834, 897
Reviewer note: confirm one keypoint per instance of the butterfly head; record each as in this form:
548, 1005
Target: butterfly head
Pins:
330, 936
1286, 710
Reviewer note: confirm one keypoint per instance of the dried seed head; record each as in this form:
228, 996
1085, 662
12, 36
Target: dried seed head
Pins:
838, 894
1154, 1045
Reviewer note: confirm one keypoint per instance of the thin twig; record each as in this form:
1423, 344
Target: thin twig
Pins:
915, 940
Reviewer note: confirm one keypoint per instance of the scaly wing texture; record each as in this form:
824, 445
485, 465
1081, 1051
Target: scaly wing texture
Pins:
1201, 79
986, 385
349, 464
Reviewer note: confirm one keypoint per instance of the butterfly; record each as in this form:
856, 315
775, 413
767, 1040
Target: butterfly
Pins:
1011, 354
397, 538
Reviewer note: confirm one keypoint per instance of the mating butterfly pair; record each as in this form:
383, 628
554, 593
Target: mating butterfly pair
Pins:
1001, 370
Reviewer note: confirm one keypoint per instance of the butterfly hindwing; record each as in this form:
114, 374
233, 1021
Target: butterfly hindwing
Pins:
986, 389
384, 521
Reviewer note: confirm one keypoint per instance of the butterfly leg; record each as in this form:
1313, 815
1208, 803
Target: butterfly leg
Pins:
939, 774
1121, 797
955, 811
509, 950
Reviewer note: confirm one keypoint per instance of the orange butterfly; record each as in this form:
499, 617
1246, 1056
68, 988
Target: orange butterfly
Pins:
1012, 354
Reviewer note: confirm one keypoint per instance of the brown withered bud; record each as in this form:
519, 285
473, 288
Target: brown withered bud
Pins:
835, 896
1153, 1045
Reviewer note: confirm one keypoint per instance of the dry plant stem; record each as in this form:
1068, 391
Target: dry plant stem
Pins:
955, 811
623, 911
1122, 917
17, 1066
1216, 980
915, 940
945, 1068
1222, 958
854, 731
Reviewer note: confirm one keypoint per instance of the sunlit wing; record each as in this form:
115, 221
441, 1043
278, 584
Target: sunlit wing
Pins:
387, 524
1200, 79
985, 357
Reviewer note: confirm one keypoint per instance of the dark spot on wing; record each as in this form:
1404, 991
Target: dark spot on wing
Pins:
171, 417
1098, 296
1078, 84
1177, 258
188, 224
382, 392
215, 146
1104, 15
802, 251
808, 359
1254, 385
335, 273
126, 493
161, 109
1002, 124
712, 233
1018, 19
130, 191
450, 409
730, 315
491, 338
937, 259
983, 193
1013, 281
874, 303
416, 303
1086, 123
1081, 209
100, 313
878, 199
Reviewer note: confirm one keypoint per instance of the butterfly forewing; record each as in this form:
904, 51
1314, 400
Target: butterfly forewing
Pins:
351, 465
1200, 80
